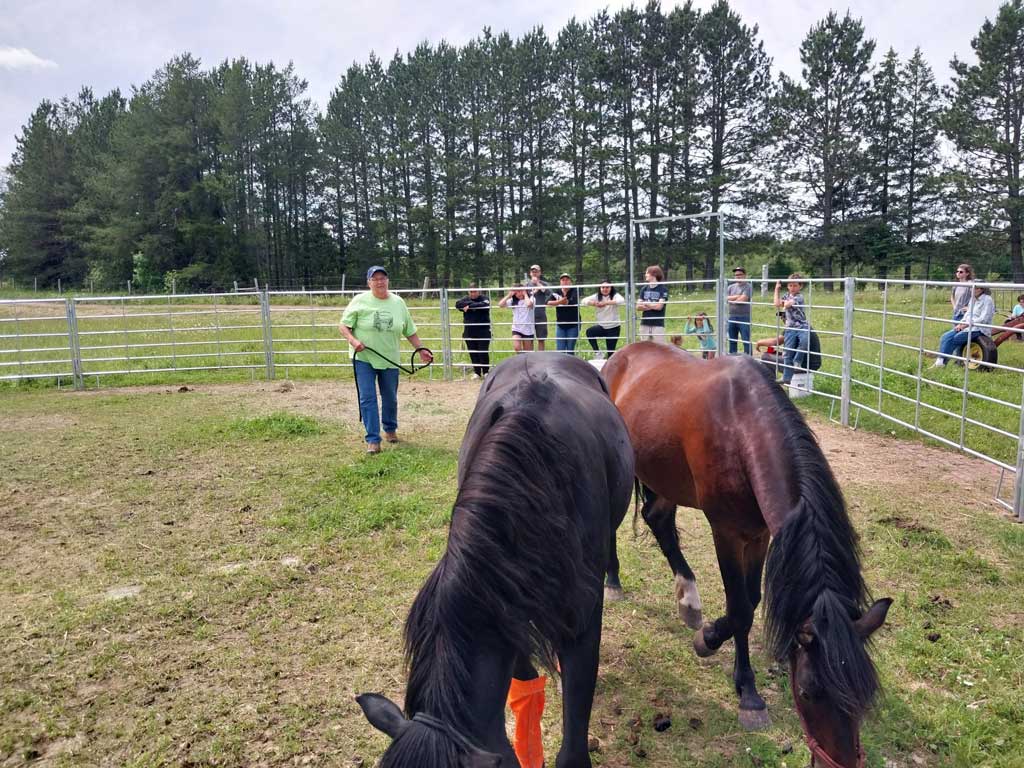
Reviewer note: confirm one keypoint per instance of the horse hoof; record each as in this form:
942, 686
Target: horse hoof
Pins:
692, 617
614, 595
700, 646
755, 719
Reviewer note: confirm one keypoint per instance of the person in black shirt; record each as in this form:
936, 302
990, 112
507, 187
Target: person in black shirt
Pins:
476, 329
651, 301
566, 301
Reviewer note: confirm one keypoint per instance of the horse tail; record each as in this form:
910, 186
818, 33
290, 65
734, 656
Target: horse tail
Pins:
813, 570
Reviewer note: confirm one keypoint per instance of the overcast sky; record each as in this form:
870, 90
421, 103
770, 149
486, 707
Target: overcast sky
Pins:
50, 48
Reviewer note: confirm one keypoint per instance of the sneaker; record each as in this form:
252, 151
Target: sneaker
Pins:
391, 437
475, 376
373, 447
940, 363
599, 355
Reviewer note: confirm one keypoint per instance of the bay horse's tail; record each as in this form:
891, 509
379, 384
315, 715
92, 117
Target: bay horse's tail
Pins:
813, 567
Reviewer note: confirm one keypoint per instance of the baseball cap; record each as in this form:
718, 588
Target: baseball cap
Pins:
739, 269
373, 270
565, 274
536, 266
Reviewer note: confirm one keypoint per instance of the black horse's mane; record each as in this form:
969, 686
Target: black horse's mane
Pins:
516, 574
813, 568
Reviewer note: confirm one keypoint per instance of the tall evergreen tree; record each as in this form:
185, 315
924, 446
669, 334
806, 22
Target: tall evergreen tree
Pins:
986, 122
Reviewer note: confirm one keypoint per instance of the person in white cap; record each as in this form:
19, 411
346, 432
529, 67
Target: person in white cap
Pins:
373, 323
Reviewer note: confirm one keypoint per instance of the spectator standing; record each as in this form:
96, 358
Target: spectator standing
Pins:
607, 301
797, 333
377, 319
541, 296
566, 301
652, 300
476, 329
522, 318
974, 324
739, 295
961, 294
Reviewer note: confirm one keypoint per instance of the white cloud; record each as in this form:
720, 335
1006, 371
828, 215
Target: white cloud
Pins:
22, 58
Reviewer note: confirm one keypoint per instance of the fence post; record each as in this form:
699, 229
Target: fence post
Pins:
844, 396
1018, 493
764, 279
73, 346
268, 336
447, 353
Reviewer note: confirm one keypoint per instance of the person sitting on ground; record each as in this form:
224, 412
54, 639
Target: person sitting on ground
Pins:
1018, 308
608, 326
974, 324
522, 319
700, 325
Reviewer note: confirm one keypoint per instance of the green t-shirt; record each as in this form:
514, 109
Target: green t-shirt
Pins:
378, 323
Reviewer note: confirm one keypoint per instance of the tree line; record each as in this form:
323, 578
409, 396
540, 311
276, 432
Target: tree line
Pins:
455, 163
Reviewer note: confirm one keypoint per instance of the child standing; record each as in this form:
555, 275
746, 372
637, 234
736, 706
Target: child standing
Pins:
522, 319
700, 325
796, 337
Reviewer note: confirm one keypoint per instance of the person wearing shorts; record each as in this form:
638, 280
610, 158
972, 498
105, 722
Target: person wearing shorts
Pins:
522, 308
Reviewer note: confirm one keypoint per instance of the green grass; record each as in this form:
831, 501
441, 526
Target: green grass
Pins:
275, 563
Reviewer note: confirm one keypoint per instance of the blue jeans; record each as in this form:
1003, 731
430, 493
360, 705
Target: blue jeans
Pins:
796, 341
367, 379
738, 329
951, 341
565, 338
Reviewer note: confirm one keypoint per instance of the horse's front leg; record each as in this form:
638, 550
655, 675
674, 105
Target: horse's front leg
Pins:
660, 515
740, 563
579, 678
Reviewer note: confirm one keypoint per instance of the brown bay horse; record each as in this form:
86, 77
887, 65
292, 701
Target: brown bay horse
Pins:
723, 437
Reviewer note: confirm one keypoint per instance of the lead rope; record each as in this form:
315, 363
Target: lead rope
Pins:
411, 370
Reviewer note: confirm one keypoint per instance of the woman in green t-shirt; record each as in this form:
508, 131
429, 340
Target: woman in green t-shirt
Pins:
377, 319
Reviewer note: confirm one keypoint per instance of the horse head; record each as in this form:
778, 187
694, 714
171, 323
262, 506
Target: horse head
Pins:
833, 683
423, 741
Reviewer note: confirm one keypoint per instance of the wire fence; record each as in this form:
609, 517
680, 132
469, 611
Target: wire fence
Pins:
877, 345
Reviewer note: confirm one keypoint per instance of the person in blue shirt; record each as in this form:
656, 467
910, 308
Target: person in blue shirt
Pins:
797, 332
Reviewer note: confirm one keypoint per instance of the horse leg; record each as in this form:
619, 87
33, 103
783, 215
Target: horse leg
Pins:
612, 586
579, 662
753, 711
526, 700
660, 515
732, 562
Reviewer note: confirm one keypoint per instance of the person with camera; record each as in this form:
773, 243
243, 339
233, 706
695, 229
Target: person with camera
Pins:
796, 336
521, 305
476, 329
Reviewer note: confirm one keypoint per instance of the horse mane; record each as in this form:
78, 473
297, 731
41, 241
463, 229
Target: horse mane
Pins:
515, 574
813, 567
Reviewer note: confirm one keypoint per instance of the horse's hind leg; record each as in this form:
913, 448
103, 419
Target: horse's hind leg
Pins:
579, 662
660, 515
612, 586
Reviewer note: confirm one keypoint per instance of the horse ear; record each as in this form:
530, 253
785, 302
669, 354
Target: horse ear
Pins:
873, 619
383, 714
479, 759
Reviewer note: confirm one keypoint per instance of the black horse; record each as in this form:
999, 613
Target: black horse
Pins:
545, 477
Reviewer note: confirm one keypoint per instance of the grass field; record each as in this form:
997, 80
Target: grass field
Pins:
208, 577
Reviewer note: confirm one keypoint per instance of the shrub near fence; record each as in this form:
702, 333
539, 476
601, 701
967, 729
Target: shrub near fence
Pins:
877, 341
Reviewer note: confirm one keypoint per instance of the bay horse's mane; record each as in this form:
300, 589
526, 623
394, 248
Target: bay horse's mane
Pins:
510, 577
813, 567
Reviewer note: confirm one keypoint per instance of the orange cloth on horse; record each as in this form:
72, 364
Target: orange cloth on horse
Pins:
526, 700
